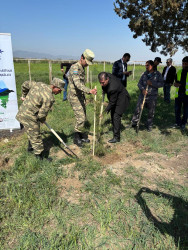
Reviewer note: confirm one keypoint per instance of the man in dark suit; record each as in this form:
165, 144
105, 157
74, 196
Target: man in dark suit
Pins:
118, 101
120, 69
169, 73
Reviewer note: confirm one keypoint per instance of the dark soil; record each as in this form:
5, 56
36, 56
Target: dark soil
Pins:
8, 134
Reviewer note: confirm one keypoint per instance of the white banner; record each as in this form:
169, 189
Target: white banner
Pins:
8, 96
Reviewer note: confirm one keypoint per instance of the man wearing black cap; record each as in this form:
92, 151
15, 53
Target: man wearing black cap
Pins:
120, 69
154, 80
181, 95
157, 60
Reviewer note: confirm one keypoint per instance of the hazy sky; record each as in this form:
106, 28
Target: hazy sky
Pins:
68, 27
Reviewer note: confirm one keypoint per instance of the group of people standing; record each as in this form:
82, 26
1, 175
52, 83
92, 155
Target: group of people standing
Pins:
152, 79
34, 108
115, 86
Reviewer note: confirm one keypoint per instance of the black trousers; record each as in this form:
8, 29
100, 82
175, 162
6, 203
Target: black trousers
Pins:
181, 101
166, 90
116, 122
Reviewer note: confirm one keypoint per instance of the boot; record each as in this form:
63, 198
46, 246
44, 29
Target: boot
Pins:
29, 148
84, 138
114, 140
77, 139
41, 157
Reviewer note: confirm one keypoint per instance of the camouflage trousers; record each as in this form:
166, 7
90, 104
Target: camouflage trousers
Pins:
78, 106
32, 129
150, 104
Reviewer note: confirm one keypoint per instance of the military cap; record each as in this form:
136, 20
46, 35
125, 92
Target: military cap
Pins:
158, 59
89, 56
58, 83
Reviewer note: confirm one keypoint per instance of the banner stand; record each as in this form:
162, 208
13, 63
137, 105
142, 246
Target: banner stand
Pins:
8, 95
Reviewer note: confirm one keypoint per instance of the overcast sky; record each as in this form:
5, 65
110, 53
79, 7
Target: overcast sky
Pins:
68, 27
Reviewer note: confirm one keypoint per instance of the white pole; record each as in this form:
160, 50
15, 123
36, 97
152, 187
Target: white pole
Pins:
104, 66
94, 123
101, 111
50, 72
133, 70
87, 73
29, 70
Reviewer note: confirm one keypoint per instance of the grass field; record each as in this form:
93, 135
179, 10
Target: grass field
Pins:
134, 197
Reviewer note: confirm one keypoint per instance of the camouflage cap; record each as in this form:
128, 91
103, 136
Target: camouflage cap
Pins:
58, 83
89, 56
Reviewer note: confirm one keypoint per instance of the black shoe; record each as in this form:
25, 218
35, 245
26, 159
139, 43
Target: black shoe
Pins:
114, 140
77, 139
84, 137
133, 125
183, 127
29, 148
42, 157
176, 126
39, 157
64, 100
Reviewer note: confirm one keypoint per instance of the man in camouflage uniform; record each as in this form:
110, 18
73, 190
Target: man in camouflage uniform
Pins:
154, 80
76, 96
37, 100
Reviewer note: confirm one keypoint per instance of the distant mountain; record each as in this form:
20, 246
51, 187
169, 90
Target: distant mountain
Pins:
36, 55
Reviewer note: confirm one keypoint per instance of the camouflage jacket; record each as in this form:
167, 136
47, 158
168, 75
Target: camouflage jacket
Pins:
38, 102
26, 87
77, 81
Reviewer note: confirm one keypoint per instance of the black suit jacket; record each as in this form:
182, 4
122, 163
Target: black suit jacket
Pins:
67, 65
170, 75
117, 95
117, 71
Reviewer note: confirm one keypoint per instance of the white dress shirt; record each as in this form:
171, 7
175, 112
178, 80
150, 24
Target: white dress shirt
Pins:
166, 72
124, 69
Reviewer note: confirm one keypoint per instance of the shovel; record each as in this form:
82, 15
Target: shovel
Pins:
142, 107
59, 138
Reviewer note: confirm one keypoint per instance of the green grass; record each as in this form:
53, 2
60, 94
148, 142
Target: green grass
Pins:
84, 204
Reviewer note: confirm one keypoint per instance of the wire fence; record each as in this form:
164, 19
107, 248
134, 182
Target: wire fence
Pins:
91, 71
